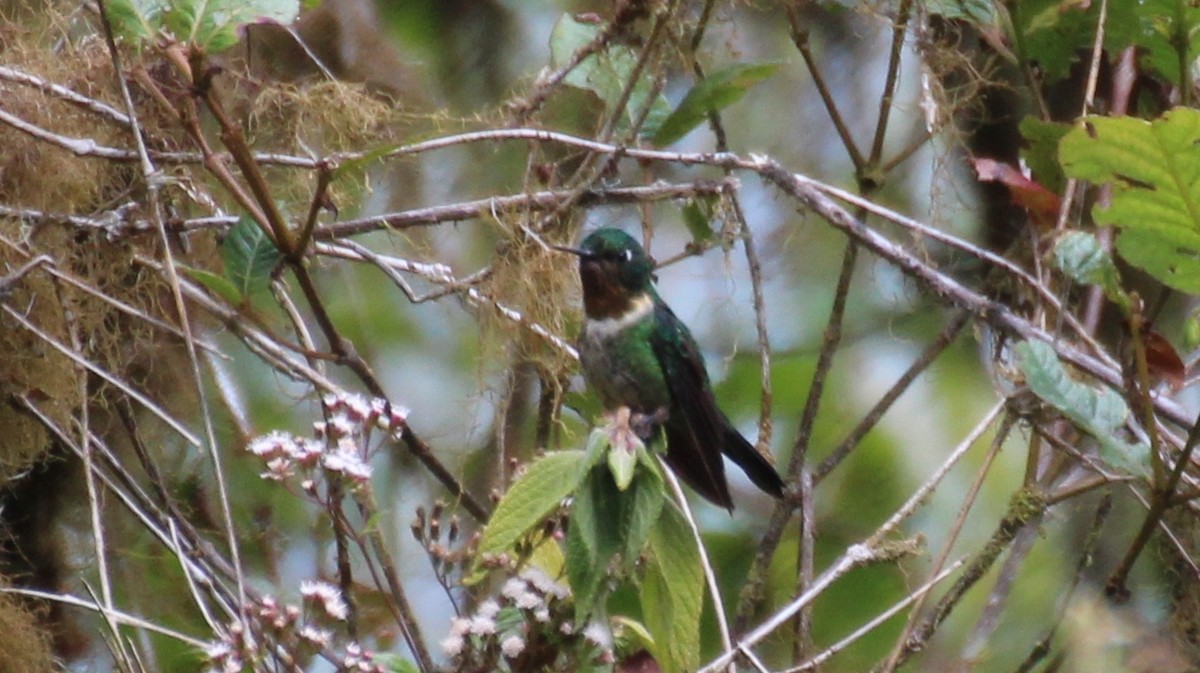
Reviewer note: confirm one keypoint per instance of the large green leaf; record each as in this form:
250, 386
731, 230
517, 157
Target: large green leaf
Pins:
606, 72
1100, 412
719, 90
249, 257
672, 594
543, 486
1154, 168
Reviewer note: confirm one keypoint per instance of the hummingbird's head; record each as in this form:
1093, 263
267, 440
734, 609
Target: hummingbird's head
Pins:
614, 270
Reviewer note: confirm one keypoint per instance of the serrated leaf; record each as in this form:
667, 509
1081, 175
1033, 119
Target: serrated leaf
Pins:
1155, 172
1100, 412
537, 493
1080, 255
218, 284
249, 257
606, 72
673, 593
719, 90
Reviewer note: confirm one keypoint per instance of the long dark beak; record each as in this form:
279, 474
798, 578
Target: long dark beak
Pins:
582, 254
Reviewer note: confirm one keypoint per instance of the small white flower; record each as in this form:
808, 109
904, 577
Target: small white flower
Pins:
218, 650
514, 587
308, 452
278, 469
329, 596
542, 614
488, 608
274, 443
528, 600
452, 645
459, 626
357, 407
544, 583
512, 646
318, 637
598, 633
340, 426
567, 628
345, 460
483, 626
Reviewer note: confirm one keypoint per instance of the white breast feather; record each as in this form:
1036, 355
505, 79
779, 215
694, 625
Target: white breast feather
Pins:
607, 327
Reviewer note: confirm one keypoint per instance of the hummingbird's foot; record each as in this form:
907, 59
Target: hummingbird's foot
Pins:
644, 425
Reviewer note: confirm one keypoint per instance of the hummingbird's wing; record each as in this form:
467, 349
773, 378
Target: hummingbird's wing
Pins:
695, 427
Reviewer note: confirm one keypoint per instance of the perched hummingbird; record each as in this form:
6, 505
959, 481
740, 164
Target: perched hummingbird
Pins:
635, 353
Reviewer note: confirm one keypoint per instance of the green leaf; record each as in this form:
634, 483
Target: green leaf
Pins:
210, 24
1040, 151
394, 663
219, 284
982, 13
606, 72
1168, 36
592, 538
697, 216
249, 257
537, 493
137, 21
673, 593
621, 462
1053, 33
719, 90
214, 24
1098, 411
1080, 255
1155, 172
641, 506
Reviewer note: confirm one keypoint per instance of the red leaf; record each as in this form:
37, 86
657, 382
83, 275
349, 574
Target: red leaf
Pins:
1041, 203
1163, 360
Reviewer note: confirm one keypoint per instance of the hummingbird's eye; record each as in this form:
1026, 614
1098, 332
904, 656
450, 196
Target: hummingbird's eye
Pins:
627, 255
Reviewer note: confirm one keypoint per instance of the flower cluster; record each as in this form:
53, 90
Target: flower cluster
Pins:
298, 630
529, 620
339, 444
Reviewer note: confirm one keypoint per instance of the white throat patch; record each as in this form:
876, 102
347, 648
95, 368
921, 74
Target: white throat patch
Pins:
643, 304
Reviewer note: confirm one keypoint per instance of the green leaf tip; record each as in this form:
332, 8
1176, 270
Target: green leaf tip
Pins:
717, 91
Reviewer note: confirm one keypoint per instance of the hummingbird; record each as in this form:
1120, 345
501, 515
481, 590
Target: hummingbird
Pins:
636, 353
